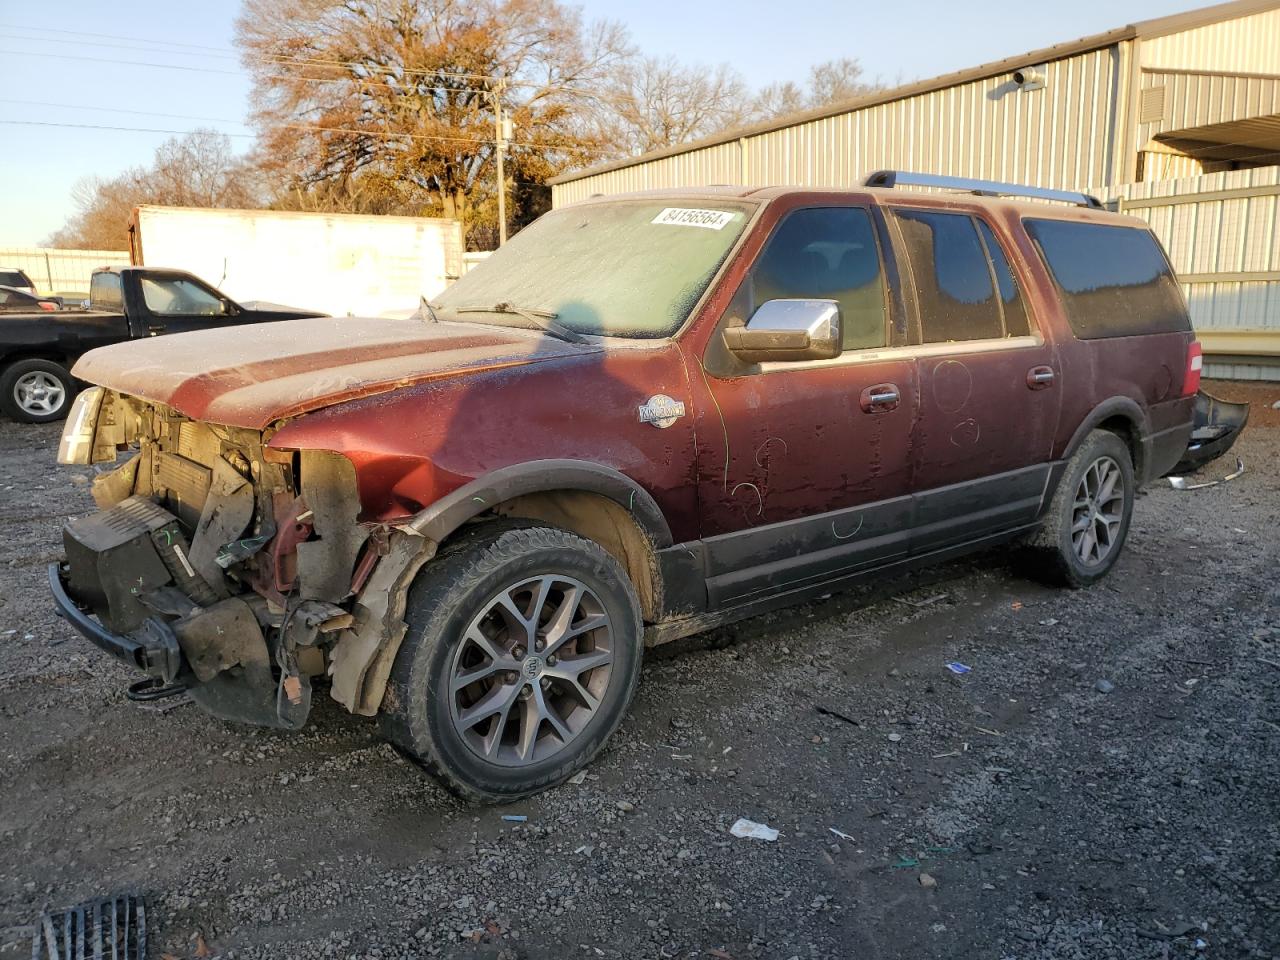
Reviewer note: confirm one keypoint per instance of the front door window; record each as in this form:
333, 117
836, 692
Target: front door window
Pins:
175, 297
827, 253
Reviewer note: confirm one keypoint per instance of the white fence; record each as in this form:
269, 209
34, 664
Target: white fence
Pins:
56, 271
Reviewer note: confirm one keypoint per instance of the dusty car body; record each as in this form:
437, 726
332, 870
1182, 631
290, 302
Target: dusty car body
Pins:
423, 513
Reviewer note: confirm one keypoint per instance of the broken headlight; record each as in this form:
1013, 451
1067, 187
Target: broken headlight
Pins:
76, 445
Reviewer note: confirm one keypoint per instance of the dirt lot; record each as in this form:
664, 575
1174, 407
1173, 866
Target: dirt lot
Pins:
1014, 811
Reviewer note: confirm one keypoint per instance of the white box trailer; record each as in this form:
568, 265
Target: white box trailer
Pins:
342, 264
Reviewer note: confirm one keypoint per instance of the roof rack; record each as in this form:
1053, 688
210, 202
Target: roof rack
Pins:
984, 188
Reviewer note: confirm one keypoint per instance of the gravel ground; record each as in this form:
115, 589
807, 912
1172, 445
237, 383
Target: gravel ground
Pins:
1105, 782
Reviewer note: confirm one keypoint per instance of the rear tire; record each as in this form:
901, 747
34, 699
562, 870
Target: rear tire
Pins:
36, 391
1088, 519
522, 656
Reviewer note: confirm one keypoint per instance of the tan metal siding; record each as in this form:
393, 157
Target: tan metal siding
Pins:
1198, 100
717, 164
1238, 371
1056, 137
1245, 45
1169, 166
1229, 236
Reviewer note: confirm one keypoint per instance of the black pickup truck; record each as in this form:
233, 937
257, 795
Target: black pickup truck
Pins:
37, 350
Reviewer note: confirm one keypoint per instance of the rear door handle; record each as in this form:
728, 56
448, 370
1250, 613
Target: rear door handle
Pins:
1040, 377
880, 398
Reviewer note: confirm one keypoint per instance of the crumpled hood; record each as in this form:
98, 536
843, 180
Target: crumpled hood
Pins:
250, 376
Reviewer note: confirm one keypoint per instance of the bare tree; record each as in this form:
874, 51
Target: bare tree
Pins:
829, 82
651, 103
388, 105
200, 170
196, 170
836, 80
779, 99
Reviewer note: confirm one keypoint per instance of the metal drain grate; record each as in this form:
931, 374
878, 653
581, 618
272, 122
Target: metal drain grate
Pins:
111, 929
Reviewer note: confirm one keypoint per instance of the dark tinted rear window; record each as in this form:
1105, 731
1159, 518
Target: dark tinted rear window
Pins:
1114, 281
13, 278
104, 291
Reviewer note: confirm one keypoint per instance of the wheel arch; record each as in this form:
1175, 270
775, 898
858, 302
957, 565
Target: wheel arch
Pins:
594, 501
1124, 417
51, 354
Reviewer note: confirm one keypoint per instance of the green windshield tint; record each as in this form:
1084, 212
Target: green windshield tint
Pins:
621, 269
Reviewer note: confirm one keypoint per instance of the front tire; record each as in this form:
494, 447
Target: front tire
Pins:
36, 391
522, 655
1088, 519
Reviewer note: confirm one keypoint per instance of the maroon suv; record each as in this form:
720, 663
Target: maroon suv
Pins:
644, 416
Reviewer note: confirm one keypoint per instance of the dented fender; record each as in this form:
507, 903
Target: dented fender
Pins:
365, 653
363, 656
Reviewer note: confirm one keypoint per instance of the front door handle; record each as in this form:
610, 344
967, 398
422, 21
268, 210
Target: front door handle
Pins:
880, 398
1040, 377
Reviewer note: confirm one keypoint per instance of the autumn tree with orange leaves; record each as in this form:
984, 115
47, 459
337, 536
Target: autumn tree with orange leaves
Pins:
387, 106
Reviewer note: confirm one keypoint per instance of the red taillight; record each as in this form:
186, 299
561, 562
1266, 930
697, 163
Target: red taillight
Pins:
50, 307
1195, 361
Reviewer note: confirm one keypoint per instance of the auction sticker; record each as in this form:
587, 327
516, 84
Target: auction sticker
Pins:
689, 217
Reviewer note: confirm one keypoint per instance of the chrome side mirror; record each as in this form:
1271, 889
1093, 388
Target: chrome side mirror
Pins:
782, 330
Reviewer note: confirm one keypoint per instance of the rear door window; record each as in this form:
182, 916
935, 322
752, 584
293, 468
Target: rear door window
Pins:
1114, 281
827, 253
14, 278
1015, 314
954, 281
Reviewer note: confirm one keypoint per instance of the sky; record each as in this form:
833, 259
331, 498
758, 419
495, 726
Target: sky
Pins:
59, 65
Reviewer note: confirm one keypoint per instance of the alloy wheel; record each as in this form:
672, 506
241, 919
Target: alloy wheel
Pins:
531, 670
39, 393
1098, 511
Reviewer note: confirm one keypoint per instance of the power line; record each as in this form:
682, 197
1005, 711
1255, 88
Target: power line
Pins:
127, 63
297, 126
276, 60
123, 46
291, 78
109, 36
268, 59
101, 126
139, 113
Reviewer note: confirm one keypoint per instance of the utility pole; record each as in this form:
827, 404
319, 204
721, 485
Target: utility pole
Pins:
502, 132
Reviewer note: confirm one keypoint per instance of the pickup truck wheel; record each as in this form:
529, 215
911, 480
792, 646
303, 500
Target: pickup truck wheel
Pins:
522, 656
1088, 519
36, 391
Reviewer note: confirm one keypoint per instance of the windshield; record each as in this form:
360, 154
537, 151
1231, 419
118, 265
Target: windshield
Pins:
623, 269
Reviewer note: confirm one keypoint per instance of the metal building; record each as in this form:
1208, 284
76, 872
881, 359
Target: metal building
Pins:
1175, 119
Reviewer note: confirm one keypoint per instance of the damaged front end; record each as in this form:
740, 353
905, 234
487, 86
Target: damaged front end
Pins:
221, 566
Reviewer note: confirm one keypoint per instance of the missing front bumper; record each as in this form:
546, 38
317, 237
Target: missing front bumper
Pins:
152, 648
218, 654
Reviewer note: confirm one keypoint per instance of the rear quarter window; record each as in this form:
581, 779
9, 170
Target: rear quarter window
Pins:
104, 292
1114, 281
